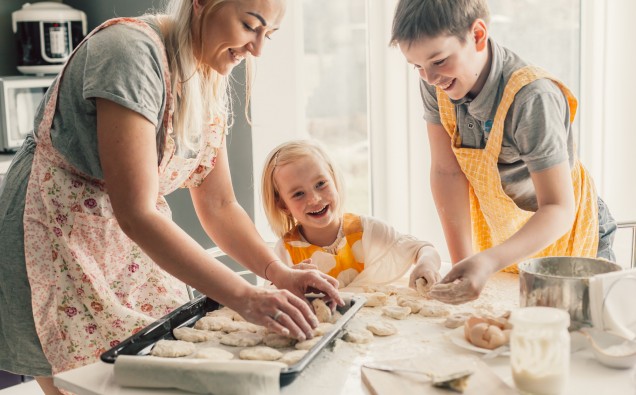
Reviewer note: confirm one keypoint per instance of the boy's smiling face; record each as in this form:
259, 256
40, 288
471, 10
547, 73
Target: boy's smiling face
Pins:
456, 67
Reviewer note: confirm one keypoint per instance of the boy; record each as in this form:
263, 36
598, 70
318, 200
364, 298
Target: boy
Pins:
504, 173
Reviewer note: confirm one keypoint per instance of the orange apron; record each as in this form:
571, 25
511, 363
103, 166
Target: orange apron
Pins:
345, 257
92, 286
494, 215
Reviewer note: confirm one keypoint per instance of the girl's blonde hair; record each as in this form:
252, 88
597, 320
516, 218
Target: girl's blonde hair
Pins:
289, 152
200, 93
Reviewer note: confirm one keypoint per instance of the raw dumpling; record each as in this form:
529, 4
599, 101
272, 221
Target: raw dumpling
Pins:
241, 339
172, 348
260, 354
213, 353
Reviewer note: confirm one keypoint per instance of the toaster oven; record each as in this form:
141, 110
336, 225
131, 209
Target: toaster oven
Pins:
20, 97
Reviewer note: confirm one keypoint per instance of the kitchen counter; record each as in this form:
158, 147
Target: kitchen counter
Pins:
337, 370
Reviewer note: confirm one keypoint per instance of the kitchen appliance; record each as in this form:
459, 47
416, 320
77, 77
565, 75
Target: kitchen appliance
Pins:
20, 97
562, 282
46, 34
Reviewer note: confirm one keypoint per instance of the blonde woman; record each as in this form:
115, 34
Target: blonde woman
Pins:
303, 201
89, 252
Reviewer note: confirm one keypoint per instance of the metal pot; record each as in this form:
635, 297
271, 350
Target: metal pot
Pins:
562, 282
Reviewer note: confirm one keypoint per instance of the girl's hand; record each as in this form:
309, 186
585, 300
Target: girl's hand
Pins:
279, 311
426, 270
465, 281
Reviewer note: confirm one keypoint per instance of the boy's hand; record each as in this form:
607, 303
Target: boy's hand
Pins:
465, 281
426, 270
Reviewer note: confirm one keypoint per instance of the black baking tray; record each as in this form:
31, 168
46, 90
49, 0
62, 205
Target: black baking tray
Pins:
185, 316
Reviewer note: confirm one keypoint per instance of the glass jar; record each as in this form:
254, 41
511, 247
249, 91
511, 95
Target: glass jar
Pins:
540, 350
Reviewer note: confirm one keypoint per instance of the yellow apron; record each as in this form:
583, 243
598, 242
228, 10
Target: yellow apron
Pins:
344, 259
494, 215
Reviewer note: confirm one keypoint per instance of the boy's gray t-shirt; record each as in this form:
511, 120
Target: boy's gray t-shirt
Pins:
120, 63
537, 130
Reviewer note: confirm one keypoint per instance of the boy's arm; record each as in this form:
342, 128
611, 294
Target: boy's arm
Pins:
450, 193
555, 198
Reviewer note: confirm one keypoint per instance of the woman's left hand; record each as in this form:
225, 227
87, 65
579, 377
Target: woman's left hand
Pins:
301, 282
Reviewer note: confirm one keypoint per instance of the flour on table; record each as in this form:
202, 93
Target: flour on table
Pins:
241, 339
213, 353
172, 348
435, 311
260, 353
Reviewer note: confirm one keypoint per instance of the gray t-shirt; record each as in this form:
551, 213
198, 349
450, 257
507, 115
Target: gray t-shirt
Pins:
119, 63
537, 130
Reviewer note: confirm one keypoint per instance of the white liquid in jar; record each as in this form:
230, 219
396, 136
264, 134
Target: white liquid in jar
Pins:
540, 350
551, 384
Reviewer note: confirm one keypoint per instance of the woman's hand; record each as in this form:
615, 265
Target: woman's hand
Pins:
301, 282
279, 311
465, 281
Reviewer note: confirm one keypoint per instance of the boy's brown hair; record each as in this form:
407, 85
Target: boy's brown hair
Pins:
416, 19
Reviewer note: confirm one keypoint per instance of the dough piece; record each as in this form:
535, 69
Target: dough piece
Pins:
236, 326
456, 320
322, 328
241, 339
323, 312
278, 341
396, 312
225, 312
172, 348
260, 354
292, 357
357, 335
435, 311
208, 323
335, 316
307, 344
423, 287
194, 335
381, 328
213, 353
375, 299
415, 305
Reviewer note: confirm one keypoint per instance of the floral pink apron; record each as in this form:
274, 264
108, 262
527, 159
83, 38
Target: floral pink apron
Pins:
92, 286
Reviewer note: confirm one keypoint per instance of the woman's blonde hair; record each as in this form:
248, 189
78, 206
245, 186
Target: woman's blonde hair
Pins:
200, 93
291, 151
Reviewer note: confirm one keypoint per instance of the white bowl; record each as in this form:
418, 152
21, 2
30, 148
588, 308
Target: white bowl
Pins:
610, 349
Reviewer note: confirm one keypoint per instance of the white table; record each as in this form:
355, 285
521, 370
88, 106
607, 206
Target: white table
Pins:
337, 371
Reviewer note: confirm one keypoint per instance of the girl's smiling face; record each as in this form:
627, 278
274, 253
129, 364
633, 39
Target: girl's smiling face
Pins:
308, 192
223, 37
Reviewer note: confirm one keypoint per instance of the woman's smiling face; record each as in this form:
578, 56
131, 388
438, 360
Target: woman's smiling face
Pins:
225, 35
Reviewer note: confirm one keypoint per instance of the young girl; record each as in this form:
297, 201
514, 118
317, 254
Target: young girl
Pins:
302, 197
